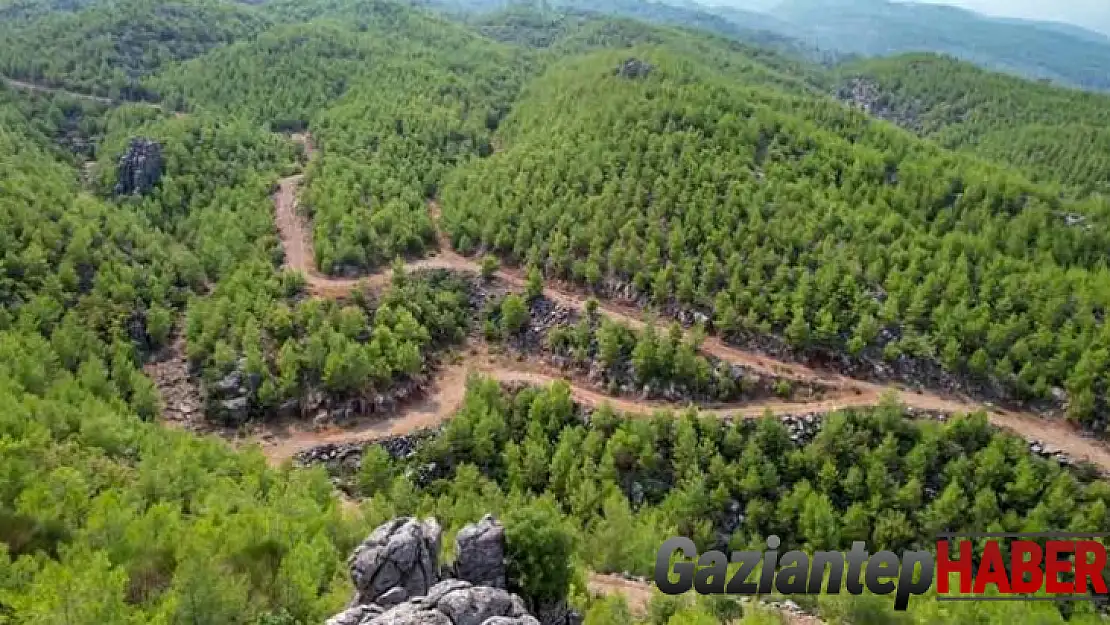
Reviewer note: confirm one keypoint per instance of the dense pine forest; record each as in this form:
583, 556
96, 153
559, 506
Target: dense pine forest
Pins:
793, 216
527, 187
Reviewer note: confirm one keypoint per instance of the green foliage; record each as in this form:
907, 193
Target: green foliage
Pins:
107, 48
1053, 133
514, 314
489, 266
283, 78
791, 215
538, 552
717, 182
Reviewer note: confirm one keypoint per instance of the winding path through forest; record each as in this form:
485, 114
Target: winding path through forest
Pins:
448, 389
450, 385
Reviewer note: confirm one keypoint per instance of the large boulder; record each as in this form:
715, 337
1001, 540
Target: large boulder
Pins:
140, 167
394, 573
634, 68
398, 561
480, 553
455, 602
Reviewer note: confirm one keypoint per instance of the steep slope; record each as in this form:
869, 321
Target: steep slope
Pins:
1055, 134
393, 98
106, 517
880, 27
281, 79
793, 216
107, 48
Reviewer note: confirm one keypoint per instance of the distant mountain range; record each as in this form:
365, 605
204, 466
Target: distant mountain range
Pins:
830, 30
1059, 52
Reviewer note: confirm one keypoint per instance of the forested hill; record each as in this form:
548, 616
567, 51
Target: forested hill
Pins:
108, 47
790, 215
829, 31
1053, 133
393, 102
744, 26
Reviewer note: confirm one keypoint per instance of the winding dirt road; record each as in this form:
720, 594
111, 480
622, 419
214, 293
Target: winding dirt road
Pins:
447, 393
27, 86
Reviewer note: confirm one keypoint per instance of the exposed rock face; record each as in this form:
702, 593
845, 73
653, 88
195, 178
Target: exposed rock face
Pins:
634, 68
182, 402
480, 553
349, 455
455, 602
394, 572
228, 399
355, 615
398, 561
868, 96
140, 167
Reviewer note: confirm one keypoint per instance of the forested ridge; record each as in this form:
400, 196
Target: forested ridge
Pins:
1053, 134
391, 112
659, 166
794, 216
106, 48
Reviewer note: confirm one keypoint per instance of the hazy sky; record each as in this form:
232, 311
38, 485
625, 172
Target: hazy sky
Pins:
1090, 13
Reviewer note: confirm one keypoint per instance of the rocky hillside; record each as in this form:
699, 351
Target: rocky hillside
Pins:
399, 580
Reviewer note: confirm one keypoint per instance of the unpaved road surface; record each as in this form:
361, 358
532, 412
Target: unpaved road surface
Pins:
854, 393
445, 397
448, 391
296, 238
27, 86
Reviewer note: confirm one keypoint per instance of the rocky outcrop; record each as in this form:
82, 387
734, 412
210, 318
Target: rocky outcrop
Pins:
140, 167
228, 399
480, 553
399, 560
349, 455
181, 400
394, 571
634, 68
868, 96
455, 602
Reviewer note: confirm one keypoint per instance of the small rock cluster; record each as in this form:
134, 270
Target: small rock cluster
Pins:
803, 427
228, 399
481, 553
396, 576
633, 68
181, 398
387, 402
140, 167
350, 454
1045, 451
868, 96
